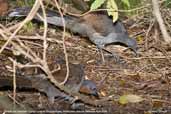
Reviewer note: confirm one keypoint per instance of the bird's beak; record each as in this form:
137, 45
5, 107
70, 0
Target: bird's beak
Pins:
135, 50
95, 93
135, 53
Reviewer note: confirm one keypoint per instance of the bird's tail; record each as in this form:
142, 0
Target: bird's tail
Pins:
53, 17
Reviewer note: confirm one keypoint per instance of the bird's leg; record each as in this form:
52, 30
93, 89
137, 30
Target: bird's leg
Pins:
102, 55
114, 55
100, 42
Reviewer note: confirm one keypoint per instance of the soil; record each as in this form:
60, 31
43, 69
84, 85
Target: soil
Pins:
147, 75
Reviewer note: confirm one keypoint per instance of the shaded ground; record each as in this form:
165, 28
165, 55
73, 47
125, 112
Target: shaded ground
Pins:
147, 76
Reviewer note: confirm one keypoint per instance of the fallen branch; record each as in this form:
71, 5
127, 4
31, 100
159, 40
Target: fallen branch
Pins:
160, 21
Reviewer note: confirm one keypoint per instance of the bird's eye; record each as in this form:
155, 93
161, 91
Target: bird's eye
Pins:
94, 88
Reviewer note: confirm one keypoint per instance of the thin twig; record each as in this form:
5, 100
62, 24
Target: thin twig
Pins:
45, 31
28, 18
14, 82
64, 46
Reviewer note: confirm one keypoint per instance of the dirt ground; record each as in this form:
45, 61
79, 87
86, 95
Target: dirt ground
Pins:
147, 75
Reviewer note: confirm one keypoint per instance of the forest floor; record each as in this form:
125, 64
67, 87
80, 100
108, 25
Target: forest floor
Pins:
147, 76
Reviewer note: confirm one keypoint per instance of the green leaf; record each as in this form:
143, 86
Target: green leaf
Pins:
127, 3
112, 9
96, 4
130, 98
168, 3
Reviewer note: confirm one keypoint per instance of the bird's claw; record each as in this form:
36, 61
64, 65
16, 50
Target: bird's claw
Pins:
118, 59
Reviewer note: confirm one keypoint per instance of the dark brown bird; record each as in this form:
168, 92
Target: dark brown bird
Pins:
76, 82
97, 26
3, 7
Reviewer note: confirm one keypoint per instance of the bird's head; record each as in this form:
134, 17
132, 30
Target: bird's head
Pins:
89, 87
132, 44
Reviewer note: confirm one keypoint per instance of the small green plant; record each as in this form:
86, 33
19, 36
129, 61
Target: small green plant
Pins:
112, 6
28, 27
168, 3
129, 5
